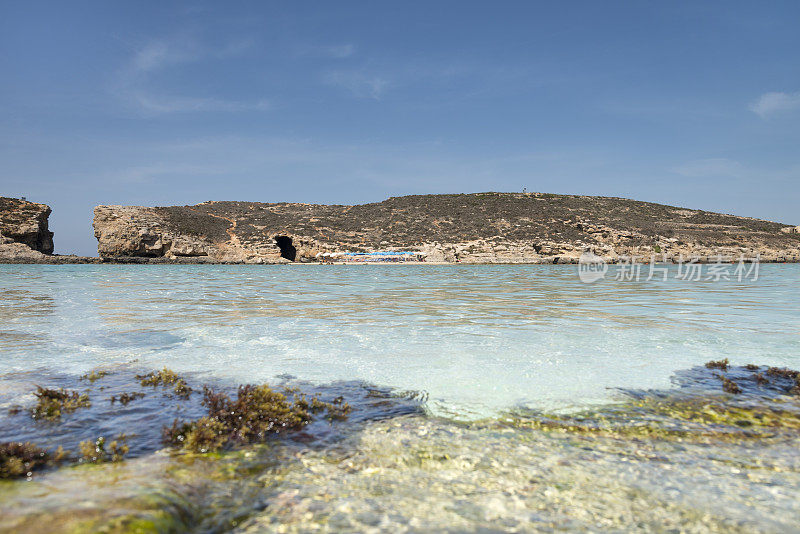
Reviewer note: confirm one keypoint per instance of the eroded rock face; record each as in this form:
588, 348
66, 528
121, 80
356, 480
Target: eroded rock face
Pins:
475, 228
25, 223
137, 231
19, 253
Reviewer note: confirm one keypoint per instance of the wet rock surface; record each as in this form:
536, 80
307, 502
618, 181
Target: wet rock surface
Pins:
160, 408
664, 460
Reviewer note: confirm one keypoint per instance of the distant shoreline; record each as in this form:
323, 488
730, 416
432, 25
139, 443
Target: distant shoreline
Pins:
458, 229
87, 260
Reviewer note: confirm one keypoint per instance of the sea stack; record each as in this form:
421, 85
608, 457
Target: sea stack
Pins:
24, 232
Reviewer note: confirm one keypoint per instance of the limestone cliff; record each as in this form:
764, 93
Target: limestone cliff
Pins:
469, 228
23, 229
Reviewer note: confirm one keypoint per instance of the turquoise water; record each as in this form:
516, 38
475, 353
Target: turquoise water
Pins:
458, 377
476, 339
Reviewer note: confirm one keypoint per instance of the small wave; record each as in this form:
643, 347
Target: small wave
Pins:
138, 339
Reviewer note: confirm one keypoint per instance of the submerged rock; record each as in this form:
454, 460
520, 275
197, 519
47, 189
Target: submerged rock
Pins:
52, 403
742, 403
166, 377
126, 398
256, 413
223, 418
686, 459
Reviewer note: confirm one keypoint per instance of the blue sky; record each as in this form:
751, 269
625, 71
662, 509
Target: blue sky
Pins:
695, 104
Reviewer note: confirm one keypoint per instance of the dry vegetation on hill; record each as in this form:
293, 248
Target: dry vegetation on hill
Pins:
481, 227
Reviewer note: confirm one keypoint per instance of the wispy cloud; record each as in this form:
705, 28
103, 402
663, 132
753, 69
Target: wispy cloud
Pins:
251, 167
167, 104
358, 83
157, 54
433, 81
770, 104
134, 81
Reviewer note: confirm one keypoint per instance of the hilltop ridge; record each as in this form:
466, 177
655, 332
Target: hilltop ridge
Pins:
470, 228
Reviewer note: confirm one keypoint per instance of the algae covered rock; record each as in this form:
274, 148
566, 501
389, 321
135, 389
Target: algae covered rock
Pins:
257, 412
20, 459
51, 403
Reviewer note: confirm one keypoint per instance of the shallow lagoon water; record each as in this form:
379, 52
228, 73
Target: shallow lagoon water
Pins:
476, 339
462, 348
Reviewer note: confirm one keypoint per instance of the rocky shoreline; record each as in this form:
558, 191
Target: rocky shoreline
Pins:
132, 260
481, 228
219, 464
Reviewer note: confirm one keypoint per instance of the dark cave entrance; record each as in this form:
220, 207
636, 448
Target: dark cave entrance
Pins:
288, 250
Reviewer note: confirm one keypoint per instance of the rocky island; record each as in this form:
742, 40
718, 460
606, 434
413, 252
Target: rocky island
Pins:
466, 228
454, 228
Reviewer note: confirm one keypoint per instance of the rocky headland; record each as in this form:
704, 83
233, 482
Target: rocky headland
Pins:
25, 223
25, 236
458, 228
465, 228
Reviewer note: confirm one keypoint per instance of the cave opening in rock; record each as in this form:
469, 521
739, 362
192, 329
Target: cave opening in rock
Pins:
288, 250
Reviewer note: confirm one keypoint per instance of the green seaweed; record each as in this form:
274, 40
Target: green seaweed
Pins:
688, 416
99, 452
336, 410
783, 372
729, 386
166, 377
154, 521
203, 435
718, 364
19, 459
125, 398
94, 375
696, 419
257, 412
790, 375
52, 403
182, 389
